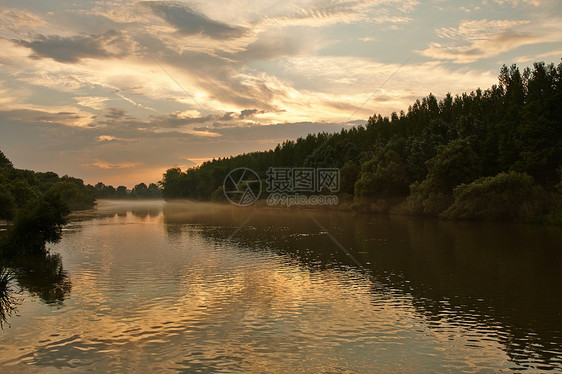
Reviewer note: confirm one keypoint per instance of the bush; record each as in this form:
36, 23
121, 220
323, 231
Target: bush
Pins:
75, 195
509, 196
384, 176
39, 222
454, 164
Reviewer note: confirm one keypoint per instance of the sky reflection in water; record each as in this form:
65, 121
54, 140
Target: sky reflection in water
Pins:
152, 286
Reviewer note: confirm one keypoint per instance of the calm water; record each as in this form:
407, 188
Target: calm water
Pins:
151, 287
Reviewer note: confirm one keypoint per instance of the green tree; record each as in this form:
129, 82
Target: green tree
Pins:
39, 222
154, 191
505, 197
454, 164
173, 183
140, 190
121, 192
7, 203
75, 196
22, 192
385, 175
349, 174
4, 162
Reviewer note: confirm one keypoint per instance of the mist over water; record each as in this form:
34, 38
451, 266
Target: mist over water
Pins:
202, 287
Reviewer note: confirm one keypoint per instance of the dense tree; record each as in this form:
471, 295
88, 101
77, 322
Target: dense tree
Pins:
4, 162
349, 174
384, 175
423, 153
508, 196
455, 163
140, 190
121, 192
37, 204
41, 221
7, 203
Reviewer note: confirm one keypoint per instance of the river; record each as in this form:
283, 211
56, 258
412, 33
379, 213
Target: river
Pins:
153, 286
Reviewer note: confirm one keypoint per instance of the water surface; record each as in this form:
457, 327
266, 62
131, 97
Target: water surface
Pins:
181, 287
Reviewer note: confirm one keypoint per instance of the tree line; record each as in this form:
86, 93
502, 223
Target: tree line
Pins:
492, 155
139, 191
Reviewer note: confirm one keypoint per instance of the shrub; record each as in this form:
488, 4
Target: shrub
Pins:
454, 164
509, 196
385, 175
39, 222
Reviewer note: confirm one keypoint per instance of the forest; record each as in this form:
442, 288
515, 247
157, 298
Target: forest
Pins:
485, 155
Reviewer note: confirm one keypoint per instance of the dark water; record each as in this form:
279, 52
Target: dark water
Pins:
151, 287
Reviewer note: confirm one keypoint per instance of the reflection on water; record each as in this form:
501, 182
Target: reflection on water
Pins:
208, 288
43, 276
40, 275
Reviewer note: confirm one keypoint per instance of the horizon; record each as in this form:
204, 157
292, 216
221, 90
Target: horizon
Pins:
119, 92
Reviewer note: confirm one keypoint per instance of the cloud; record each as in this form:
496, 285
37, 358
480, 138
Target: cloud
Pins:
74, 48
514, 3
556, 53
135, 103
174, 120
477, 39
477, 29
274, 133
249, 113
190, 22
16, 19
272, 45
64, 117
109, 138
328, 12
108, 165
94, 102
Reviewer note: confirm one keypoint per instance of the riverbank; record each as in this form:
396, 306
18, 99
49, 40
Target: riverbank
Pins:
393, 207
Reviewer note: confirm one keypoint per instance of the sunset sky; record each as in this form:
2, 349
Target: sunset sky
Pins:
119, 91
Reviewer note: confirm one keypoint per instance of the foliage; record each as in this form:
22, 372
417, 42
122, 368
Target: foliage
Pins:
7, 300
5, 163
73, 193
39, 222
384, 175
455, 163
7, 203
37, 204
18, 188
349, 174
509, 196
